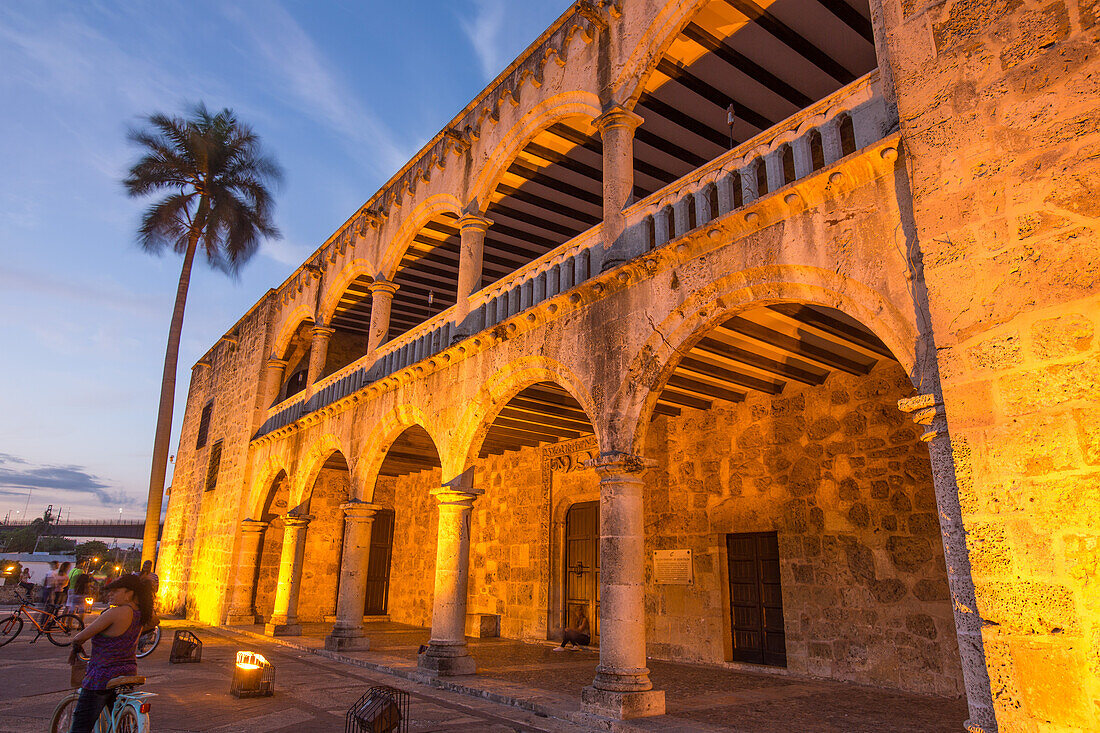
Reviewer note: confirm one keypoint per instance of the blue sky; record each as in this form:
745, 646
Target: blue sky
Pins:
342, 93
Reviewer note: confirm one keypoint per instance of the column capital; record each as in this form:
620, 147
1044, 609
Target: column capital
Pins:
275, 362
455, 496
618, 116
616, 463
253, 526
320, 331
297, 520
474, 221
383, 287
358, 511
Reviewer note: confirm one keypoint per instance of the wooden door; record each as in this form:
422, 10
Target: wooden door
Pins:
378, 564
582, 564
756, 600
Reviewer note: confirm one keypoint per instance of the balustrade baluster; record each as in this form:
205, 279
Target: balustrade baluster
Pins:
580, 266
540, 287
525, 294
513, 301
553, 282
567, 275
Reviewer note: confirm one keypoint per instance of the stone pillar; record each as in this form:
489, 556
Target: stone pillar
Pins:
244, 585
276, 370
284, 616
447, 654
622, 688
347, 632
381, 293
318, 352
927, 409
472, 228
616, 126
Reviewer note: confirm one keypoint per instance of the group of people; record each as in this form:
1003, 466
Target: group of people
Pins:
64, 586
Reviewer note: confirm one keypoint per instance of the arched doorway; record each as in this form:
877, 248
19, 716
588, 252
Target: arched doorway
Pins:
324, 539
274, 509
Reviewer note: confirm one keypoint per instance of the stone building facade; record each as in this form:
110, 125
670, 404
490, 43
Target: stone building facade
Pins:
816, 389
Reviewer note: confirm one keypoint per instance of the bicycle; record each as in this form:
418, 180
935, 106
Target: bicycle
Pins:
59, 629
146, 643
128, 714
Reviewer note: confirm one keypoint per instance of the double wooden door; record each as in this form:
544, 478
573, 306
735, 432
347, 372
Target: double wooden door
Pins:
582, 565
378, 563
756, 600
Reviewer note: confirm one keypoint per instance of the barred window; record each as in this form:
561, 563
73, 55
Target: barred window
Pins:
204, 425
214, 465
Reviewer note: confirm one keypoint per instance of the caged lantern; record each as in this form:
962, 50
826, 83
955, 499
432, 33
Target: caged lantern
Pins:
186, 648
381, 710
253, 676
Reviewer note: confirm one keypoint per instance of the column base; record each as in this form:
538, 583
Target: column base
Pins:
240, 619
446, 661
346, 640
622, 705
272, 628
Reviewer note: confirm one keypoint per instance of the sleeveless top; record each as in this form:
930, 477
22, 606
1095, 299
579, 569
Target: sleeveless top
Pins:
113, 656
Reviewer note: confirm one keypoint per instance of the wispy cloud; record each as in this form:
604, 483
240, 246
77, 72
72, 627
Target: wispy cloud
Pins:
314, 88
485, 33
18, 475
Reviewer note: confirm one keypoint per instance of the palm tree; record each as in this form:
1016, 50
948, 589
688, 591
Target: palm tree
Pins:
216, 178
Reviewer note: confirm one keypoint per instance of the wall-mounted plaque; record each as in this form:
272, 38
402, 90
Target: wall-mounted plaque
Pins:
672, 567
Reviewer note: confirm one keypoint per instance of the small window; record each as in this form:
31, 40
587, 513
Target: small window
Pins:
204, 425
214, 466
670, 223
847, 136
650, 234
296, 383
693, 218
712, 198
738, 192
761, 177
817, 151
788, 164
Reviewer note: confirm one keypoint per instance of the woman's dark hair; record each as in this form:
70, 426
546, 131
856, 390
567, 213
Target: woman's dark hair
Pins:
64, 567
143, 593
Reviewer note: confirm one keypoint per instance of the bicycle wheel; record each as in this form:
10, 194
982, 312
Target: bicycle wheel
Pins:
147, 642
62, 629
128, 721
10, 628
62, 718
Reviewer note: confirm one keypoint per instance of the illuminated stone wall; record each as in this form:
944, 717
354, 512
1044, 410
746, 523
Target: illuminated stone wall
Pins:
412, 569
324, 542
1000, 114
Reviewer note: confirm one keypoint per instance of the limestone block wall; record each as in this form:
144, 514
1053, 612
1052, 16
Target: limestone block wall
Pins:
999, 105
412, 568
839, 473
324, 543
267, 570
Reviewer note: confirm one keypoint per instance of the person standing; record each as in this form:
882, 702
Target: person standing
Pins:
78, 589
25, 580
59, 582
47, 583
149, 576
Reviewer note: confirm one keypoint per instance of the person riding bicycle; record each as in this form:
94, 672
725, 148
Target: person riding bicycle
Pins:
114, 636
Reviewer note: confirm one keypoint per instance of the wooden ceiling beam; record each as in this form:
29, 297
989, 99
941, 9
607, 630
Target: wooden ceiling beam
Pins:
792, 345
729, 376
712, 94
544, 418
736, 354
685, 400
851, 18
665, 409
568, 133
747, 66
685, 121
825, 323
499, 209
543, 203
535, 176
702, 388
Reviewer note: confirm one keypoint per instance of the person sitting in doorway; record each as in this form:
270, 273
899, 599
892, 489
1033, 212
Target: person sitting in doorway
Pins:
577, 633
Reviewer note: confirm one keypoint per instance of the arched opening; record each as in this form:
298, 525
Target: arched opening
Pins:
847, 135
324, 540
296, 354
759, 62
275, 507
530, 463
712, 200
817, 151
786, 156
401, 569
350, 320
804, 500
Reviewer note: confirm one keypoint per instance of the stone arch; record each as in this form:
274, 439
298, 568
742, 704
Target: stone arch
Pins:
310, 466
288, 327
544, 114
626, 417
509, 381
335, 290
369, 461
263, 483
642, 61
423, 213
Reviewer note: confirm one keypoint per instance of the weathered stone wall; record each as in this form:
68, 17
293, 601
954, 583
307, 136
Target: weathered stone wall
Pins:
267, 570
324, 543
412, 569
343, 348
1000, 112
840, 474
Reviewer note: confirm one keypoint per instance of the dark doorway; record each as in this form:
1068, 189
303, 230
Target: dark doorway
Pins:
582, 564
756, 601
378, 564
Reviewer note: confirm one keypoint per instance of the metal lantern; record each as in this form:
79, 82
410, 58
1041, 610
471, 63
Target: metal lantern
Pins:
253, 676
186, 648
381, 710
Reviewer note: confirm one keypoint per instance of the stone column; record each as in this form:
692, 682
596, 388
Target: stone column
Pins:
381, 294
318, 352
927, 409
284, 616
347, 632
244, 585
622, 688
447, 654
616, 126
472, 228
276, 370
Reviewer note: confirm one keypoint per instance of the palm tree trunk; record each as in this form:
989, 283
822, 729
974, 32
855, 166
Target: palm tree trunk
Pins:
167, 401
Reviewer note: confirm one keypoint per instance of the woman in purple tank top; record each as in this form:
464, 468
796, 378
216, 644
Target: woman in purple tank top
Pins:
114, 638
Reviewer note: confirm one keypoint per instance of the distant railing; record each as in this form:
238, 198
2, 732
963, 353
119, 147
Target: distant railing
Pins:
814, 138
